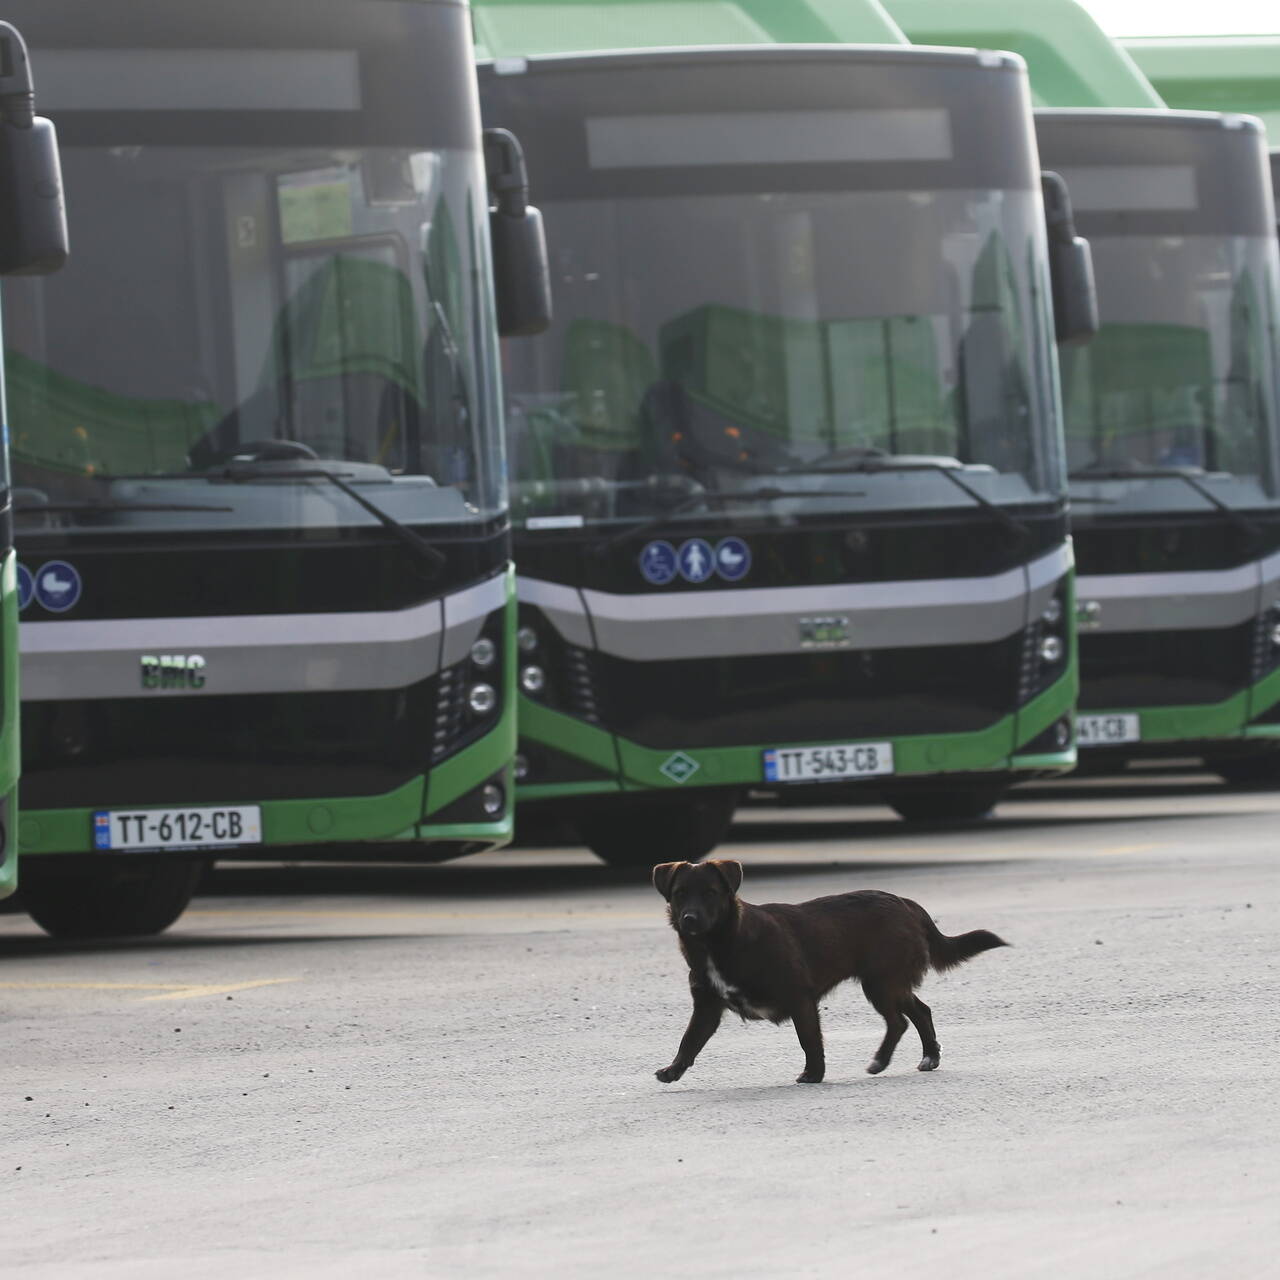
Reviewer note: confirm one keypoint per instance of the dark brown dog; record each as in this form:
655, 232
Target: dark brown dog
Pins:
778, 960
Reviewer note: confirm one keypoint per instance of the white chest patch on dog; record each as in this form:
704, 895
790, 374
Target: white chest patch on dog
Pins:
732, 996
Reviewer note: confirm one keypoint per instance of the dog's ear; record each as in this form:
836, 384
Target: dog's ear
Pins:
664, 875
731, 871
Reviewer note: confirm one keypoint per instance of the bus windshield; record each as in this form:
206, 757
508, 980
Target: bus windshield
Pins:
826, 326
1181, 374
276, 293
1172, 406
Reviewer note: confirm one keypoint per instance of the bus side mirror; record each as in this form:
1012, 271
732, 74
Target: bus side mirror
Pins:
1075, 296
33, 217
521, 272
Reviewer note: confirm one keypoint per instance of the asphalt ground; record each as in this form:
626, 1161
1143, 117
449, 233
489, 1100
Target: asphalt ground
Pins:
448, 1071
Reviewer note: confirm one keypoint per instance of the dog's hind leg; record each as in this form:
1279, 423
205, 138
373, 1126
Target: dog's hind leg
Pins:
889, 1007
922, 1019
809, 1032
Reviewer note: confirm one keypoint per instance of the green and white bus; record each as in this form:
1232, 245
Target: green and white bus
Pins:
259, 486
1171, 413
33, 241
1173, 437
788, 493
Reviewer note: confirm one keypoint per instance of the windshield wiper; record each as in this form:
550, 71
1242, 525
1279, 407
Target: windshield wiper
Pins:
415, 542
768, 494
603, 486
1237, 518
245, 473
873, 464
92, 508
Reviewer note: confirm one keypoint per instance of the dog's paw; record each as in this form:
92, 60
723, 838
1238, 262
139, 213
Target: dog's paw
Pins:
928, 1063
810, 1077
668, 1074
875, 1067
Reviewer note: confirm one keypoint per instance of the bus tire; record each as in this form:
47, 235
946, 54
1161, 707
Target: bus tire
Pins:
947, 804
643, 831
108, 896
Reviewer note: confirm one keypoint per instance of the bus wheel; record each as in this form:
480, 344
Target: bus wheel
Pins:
1261, 770
641, 831
108, 896
959, 804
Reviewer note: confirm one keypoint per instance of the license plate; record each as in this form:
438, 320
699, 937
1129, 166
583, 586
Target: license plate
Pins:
117, 829
820, 764
1102, 731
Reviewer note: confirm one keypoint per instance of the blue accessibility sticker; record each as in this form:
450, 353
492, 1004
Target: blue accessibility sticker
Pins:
102, 831
658, 563
26, 587
696, 563
57, 586
733, 559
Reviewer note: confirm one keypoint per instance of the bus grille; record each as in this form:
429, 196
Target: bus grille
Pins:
451, 711
1029, 674
580, 685
1265, 653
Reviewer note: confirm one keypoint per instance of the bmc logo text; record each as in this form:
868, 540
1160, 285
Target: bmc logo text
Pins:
825, 633
172, 671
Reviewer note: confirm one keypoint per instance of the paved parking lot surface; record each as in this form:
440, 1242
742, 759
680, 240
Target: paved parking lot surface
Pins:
448, 1071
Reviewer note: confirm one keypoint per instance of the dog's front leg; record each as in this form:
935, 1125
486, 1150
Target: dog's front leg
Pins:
809, 1033
708, 1009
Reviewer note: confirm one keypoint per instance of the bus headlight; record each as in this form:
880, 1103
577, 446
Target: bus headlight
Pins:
482, 698
1051, 649
1052, 614
526, 639
492, 799
483, 652
533, 679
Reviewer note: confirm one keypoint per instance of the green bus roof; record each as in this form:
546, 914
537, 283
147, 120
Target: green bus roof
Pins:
511, 28
1071, 60
1215, 73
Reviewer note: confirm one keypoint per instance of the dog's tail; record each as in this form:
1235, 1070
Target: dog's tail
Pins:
947, 952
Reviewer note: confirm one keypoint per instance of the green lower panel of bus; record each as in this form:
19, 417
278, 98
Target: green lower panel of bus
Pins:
9, 755
1230, 720
622, 765
422, 809
9, 850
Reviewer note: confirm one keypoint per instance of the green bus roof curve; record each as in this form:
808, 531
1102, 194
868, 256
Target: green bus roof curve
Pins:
1215, 73
513, 28
1071, 60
